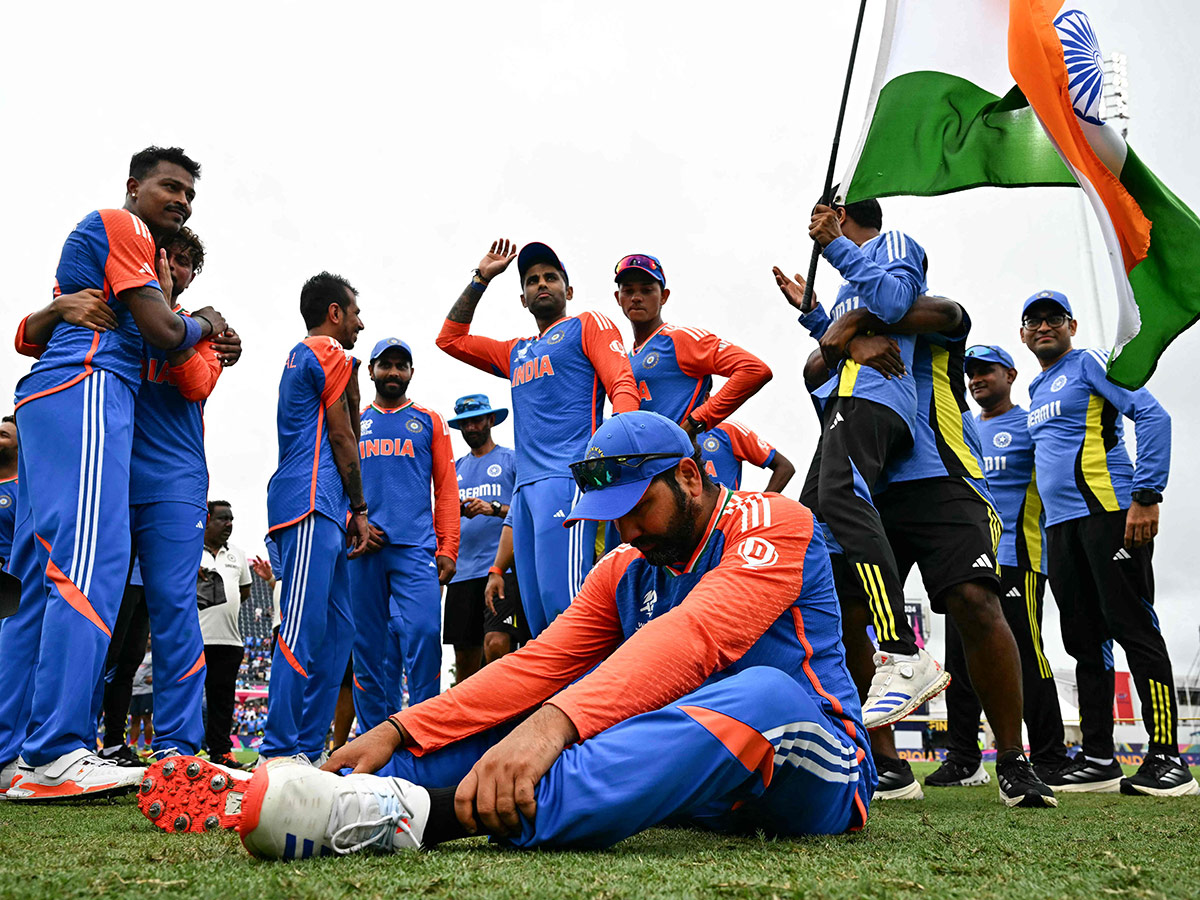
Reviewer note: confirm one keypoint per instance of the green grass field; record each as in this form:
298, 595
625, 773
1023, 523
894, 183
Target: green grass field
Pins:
958, 842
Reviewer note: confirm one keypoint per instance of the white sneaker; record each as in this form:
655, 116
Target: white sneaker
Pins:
299, 759
75, 774
292, 812
10, 775
901, 684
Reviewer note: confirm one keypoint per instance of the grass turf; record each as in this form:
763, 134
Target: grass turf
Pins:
958, 842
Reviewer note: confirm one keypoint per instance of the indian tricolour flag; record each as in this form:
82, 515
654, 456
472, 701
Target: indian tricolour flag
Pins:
1007, 93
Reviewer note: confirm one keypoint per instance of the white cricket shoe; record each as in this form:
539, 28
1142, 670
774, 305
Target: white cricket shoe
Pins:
79, 773
294, 812
10, 775
901, 684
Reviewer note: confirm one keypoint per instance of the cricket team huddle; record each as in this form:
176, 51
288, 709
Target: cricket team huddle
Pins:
611, 593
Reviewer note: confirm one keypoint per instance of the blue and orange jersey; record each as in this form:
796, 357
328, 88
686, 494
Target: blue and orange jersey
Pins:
674, 369
885, 275
758, 591
403, 452
559, 380
1012, 479
727, 446
1075, 419
8, 518
111, 250
489, 478
306, 479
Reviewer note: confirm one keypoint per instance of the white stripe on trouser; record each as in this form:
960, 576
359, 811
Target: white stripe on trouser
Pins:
91, 463
83, 477
575, 535
98, 475
297, 590
838, 767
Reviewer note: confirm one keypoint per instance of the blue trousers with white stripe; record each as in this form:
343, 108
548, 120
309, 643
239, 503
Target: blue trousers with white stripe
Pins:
551, 561
752, 751
397, 605
75, 445
169, 536
315, 635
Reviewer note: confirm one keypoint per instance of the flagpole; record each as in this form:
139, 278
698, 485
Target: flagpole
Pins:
806, 305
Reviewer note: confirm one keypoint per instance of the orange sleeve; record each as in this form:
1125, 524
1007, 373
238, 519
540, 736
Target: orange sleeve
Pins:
336, 363
197, 375
23, 346
701, 353
520, 681
484, 353
603, 346
746, 445
729, 609
446, 518
131, 252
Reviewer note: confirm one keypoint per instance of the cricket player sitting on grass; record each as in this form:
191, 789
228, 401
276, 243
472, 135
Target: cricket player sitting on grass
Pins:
697, 677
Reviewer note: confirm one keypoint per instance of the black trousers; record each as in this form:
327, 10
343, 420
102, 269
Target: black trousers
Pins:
858, 439
220, 684
1105, 593
125, 654
1022, 597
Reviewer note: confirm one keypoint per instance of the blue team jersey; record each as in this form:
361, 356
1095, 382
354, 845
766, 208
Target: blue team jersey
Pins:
274, 557
1075, 422
306, 479
726, 447
111, 250
168, 461
885, 276
8, 518
488, 477
559, 380
1008, 466
406, 459
945, 439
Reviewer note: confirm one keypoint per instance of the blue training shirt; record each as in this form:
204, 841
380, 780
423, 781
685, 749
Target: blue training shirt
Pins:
8, 518
488, 477
1012, 480
1075, 422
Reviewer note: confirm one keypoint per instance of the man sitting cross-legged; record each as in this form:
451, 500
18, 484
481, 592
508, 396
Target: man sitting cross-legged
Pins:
698, 676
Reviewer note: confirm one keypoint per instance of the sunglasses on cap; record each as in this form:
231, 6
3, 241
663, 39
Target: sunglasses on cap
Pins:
979, 350
638, 261
468, 405
605, 471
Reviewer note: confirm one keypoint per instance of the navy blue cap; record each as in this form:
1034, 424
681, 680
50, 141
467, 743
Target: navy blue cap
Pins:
630, 434
989, 353
1048, 297
471, 406
387, 344
643, 262
534, 253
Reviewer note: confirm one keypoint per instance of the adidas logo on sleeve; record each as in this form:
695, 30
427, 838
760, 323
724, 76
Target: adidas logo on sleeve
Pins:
982, 563
1015, 592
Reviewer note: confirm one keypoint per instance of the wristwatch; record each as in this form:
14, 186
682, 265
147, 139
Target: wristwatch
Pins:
496, 507
1146, 497
698, 425
359, 510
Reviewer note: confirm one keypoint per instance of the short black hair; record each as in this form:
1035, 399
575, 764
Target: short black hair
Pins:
669, 479
867, 213
213, 504
144, 161
189, 242
12, 419
318, 292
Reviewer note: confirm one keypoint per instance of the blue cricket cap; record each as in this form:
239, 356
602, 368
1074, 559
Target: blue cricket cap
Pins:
1048, 297
387, 344
534, 253
989, 353
471, 406
625, 451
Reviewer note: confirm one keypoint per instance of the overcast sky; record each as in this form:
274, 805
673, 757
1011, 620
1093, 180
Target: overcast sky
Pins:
392, 142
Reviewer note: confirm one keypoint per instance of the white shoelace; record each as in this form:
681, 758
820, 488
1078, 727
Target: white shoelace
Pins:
352, 802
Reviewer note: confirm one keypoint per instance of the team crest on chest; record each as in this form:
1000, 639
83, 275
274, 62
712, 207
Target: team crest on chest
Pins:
650, 361
556, 337
5, 502
494, 470
1002, 439
414, 426
1059, 383
711, 444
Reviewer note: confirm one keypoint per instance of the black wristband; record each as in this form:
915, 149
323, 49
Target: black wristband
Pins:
396, 725
356, 510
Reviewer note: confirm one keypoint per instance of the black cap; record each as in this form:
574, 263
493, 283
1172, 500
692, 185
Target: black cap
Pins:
534, 253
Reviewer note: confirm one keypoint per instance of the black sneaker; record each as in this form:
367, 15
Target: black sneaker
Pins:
1082, 776
1160, 776
896, 780
1020, 785
122, 755
954, 774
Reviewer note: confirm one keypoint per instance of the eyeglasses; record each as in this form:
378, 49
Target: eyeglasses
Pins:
638, 261
605, 471
1054, 320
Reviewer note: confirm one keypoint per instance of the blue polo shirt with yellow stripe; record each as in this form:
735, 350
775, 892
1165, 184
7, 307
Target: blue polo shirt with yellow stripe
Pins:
1012, 478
